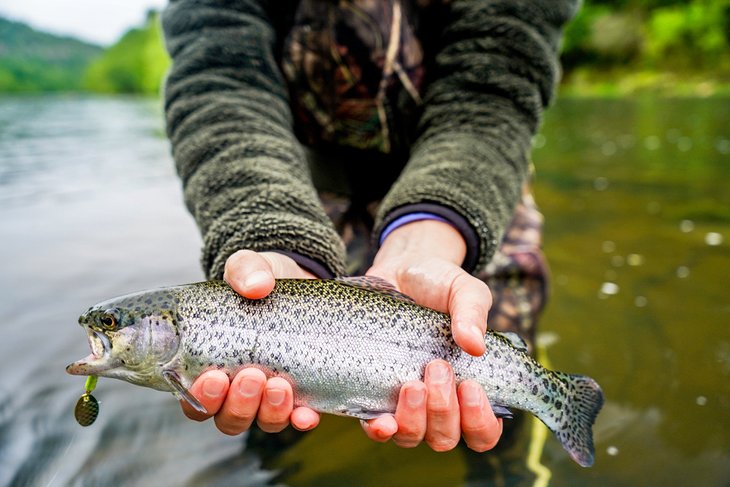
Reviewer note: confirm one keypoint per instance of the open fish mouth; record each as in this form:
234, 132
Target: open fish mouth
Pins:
99, 343
99, 360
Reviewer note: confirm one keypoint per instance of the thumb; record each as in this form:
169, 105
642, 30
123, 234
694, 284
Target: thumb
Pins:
249, 274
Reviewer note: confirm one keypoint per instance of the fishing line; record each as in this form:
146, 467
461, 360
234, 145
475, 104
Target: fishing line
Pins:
68, 447
538, 436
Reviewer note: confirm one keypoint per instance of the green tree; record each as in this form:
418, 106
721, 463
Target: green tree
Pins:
135, 64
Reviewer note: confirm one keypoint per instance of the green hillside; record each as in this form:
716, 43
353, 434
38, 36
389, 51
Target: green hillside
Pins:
33, 61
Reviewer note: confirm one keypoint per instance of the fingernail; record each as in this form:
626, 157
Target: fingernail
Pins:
275, 396
438, 373
415, 397
471, 395
249, 387
255, 279
213, 387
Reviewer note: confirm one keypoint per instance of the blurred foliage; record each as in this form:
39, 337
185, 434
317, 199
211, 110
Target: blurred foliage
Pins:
611, 47
32, 61
135, 64
636, 44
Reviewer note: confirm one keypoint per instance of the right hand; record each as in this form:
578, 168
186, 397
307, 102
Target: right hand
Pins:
250, 396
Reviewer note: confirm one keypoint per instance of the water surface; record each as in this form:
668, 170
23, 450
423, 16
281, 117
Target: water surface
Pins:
637, 233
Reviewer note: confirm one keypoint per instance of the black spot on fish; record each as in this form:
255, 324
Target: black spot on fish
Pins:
546, 399
558, 405
534, 389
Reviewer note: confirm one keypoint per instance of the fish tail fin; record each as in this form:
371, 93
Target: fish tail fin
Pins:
574, 430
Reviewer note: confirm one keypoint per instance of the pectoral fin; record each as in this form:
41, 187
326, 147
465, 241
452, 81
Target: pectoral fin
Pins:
174, 381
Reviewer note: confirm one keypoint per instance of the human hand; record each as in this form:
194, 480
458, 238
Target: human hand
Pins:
250, 396
422, 259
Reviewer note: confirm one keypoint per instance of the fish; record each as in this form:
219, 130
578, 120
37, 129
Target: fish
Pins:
346, 345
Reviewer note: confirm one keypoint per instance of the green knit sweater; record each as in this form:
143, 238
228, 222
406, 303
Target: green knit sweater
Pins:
491, 69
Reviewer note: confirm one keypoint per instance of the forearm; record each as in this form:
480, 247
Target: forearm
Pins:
494, 71
244, 174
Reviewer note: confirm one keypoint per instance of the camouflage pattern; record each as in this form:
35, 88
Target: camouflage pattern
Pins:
355, 71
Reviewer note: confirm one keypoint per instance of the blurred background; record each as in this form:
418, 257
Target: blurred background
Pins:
633, 172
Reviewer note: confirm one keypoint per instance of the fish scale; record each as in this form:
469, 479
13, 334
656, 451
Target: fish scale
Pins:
346, 346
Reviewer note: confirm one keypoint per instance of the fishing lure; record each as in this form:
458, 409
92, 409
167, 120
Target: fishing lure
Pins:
87, 407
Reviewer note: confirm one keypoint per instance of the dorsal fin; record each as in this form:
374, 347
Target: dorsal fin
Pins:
514, 339
375, 284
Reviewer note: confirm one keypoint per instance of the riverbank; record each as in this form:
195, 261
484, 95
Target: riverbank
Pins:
591, 83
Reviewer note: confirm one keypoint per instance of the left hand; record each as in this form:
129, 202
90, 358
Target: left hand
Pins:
423, 260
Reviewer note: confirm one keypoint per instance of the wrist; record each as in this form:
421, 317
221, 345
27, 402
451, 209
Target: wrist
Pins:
402, 214
424, 238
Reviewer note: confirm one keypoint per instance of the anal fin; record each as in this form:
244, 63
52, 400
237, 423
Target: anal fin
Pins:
502, 411
360, 413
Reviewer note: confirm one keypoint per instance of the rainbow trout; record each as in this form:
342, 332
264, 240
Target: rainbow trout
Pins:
346, 345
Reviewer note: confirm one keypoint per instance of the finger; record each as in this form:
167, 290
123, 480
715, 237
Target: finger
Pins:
242, 402
304, 419
442, 407
380, 429
480, 428
284, 266
249, 274
469, 303
210, 390
276, 405
411, 414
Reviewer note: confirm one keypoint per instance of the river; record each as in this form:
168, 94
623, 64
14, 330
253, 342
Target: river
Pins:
635, 194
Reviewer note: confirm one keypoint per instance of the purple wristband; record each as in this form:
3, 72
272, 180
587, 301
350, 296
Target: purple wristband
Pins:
409, 218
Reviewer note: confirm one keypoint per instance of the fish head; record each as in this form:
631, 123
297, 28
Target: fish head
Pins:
131, 337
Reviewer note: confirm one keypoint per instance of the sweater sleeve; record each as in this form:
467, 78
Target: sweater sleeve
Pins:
244, 174
493, 71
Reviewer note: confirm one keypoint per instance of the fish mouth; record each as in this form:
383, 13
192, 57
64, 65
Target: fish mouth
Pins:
99, 343
99, 360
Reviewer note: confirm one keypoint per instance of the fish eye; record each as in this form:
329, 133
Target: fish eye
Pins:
108, 321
